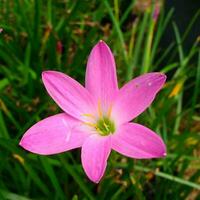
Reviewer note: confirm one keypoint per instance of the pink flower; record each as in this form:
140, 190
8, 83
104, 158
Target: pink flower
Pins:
97, 117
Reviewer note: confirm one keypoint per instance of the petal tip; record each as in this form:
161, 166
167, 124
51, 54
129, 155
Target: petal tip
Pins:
164, 154
21, 143
45, 74
163, 148
160, 75
95, 180
48, 75
102, 44
49, 72
163, 76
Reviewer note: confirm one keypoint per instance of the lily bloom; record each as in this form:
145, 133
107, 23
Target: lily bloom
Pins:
97, 117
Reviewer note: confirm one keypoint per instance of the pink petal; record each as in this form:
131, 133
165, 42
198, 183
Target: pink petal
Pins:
134, 97
94, 155
53, 135
72, 97
101, 78
136, 141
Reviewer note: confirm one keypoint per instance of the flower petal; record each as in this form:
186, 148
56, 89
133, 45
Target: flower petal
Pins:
101, 78
136, 141
94, 155
72, 97
53, 135
134, 97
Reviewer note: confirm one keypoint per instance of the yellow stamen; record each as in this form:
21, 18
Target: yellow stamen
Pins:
89, 115
109, 111
99, 109
98, 130
106, 126
90, 124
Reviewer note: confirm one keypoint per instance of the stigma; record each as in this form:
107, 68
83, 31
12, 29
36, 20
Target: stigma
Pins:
102, 124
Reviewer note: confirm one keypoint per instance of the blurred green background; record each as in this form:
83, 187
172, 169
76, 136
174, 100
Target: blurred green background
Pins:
58, 35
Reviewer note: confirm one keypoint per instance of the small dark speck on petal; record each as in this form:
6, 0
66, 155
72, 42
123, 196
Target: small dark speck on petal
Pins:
136, 85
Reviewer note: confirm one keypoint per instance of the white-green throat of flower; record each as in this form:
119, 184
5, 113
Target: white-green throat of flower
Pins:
104, 125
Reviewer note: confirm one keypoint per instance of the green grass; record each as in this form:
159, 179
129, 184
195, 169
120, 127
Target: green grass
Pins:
28, 46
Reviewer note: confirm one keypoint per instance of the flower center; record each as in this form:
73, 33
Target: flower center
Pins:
105, 126
102, 124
